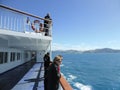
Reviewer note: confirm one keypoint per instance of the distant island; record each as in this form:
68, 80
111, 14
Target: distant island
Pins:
103, 50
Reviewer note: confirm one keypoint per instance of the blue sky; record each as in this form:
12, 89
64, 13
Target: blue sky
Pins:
77, 24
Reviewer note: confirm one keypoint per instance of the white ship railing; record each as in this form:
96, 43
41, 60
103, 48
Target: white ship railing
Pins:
19, 21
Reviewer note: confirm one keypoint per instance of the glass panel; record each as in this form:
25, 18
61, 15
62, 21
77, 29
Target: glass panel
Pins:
1, 57
5, 57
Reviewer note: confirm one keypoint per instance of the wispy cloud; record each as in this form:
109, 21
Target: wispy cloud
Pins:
82, 47
85, 46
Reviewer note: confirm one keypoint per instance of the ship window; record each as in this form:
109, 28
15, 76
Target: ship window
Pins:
12, 57
3, 57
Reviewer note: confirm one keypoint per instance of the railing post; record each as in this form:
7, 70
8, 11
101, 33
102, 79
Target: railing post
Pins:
0, 20
24, 28
8, 23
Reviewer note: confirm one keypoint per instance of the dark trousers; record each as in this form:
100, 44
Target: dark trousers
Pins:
45, 80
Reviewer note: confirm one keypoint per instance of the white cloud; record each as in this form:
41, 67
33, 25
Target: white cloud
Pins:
112, 42
84, 46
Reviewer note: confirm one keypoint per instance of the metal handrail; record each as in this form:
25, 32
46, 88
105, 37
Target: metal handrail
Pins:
15, 10
65, 85
15, 20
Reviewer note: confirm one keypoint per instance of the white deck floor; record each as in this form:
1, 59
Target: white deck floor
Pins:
34, 75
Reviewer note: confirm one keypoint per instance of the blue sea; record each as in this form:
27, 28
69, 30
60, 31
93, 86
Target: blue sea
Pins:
100, 71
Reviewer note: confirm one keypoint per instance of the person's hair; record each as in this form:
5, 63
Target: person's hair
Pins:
48, 53
58, 57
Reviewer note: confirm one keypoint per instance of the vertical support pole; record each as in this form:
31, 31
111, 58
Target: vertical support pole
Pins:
50, 50
24, 29
0, 20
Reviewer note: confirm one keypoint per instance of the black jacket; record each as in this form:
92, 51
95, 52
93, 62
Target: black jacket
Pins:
46, 61
53, 77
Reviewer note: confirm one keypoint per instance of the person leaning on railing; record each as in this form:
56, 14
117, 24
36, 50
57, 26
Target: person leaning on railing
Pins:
41, 28
53, 74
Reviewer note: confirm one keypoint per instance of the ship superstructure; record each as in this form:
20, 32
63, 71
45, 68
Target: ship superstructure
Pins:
18, 41
21, 42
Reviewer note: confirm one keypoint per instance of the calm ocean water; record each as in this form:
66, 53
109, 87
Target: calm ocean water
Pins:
99, 71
